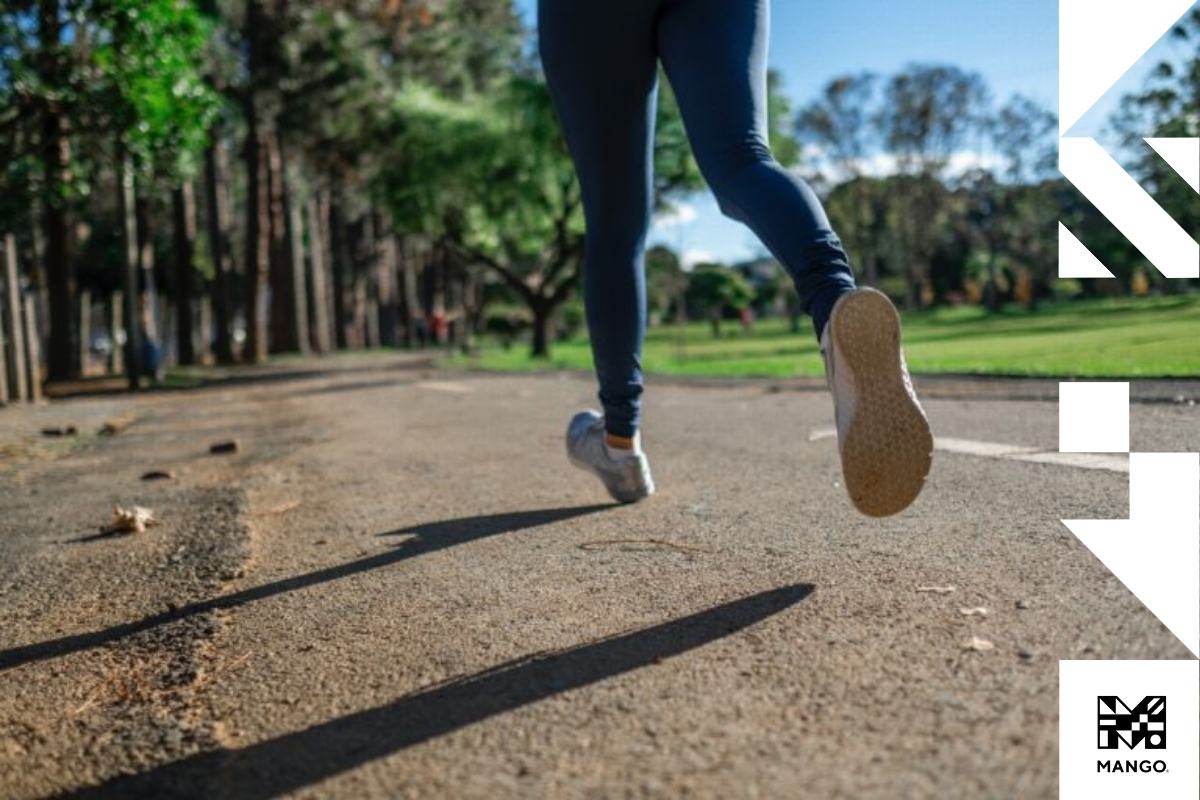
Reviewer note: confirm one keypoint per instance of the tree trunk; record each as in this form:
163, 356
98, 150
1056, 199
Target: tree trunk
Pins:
283, 300
991, 298
871, 265
367, 309
298, 286
85, 330
258, 231
125, 204
145, 256
56, 226
321, 338
385, 283
360, 333
183, 206
3, 366
258, 202
219, 220
116, 329
407, 281
542, 317
299, 282
15, 335
204, 353
471, 308
339, 252
912, 291
33, 352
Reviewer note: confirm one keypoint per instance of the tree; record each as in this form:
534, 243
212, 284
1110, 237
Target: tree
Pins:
1168, 105
666, 282
714, 289
1005, 216
121, 70
928, 113
492, 180
1023, 134
38, 83
838, 123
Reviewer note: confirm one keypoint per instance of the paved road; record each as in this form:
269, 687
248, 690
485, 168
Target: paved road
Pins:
397, 587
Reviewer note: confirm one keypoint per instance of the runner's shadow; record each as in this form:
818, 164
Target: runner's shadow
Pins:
428, 538
293, 761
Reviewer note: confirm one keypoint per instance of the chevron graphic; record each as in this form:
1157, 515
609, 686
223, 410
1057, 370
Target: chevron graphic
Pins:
1099, 41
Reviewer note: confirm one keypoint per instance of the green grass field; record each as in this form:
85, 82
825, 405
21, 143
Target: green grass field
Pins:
1092, 338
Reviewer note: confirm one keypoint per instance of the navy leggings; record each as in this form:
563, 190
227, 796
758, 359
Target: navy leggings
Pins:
601, 61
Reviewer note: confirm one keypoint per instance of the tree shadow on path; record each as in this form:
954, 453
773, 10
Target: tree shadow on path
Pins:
427, 538
295, 760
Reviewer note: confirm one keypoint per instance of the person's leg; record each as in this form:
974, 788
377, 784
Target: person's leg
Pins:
600, 63
715, 55
714, 52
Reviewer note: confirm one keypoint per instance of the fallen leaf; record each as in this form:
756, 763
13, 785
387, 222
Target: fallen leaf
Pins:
134, 519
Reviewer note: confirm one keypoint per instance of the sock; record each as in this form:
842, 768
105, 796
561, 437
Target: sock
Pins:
622, 447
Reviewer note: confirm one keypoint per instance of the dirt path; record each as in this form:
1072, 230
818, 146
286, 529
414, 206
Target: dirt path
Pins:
398, 588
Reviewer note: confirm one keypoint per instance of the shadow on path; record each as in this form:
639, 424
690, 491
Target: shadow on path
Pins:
428, 538
295, 760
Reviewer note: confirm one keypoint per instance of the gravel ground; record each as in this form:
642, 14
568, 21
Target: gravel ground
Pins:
397, 587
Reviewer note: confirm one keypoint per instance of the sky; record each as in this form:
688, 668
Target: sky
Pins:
1013, 44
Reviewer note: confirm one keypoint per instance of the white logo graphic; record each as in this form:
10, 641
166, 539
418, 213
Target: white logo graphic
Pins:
1113, 723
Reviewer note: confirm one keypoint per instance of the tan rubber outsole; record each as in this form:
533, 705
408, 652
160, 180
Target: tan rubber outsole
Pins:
888, 449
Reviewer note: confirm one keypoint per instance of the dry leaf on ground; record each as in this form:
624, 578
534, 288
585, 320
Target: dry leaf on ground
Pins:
134, 519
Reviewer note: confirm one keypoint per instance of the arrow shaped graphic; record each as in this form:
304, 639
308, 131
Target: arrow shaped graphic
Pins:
1156, 552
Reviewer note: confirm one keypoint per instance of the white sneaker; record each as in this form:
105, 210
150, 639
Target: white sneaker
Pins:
627, 478
883, 435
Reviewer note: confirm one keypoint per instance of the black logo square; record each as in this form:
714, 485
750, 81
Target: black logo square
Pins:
1144, 725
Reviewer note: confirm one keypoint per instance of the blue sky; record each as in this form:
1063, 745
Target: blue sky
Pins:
1012, 43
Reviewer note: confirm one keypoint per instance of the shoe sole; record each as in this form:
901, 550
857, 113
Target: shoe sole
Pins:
888, 449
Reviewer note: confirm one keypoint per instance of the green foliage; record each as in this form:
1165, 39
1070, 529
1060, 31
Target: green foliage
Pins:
665, 280
675, 168
716, 289
148, 79
1167, 106
490, 173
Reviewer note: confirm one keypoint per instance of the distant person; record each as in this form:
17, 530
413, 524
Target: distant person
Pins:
601, 60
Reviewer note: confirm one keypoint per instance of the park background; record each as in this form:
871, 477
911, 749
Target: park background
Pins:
271, 178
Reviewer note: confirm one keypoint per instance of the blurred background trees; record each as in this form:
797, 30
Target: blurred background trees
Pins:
195, 181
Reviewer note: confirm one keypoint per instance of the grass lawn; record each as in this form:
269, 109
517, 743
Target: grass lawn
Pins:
1146, 337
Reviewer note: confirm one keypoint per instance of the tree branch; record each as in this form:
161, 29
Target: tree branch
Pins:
564, 288
511, 278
